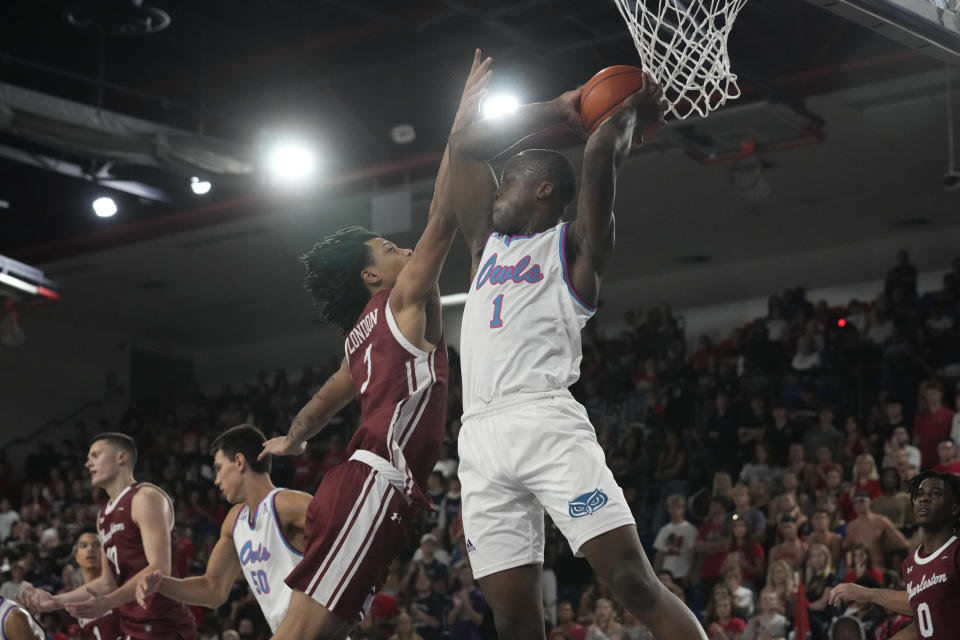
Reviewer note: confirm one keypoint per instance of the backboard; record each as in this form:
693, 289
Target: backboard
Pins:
931, 27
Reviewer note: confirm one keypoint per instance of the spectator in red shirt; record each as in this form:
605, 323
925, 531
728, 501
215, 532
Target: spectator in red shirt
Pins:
947, 455
721, 623
566, 624
931, 424
711, 544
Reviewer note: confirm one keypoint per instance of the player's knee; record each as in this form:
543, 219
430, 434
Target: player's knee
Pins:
638, 589
516, 625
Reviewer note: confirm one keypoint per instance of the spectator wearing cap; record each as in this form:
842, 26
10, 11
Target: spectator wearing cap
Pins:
790, 548
823, 434
872, 530
947, 457
932, 423
431, 557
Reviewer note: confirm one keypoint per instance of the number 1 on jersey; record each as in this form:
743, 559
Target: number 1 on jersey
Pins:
496, 323
366, 358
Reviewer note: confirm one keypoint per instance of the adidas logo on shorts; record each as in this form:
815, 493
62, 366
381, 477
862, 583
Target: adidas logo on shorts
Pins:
470, 547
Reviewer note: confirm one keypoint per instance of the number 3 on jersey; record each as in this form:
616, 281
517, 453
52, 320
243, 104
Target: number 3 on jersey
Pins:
497, 322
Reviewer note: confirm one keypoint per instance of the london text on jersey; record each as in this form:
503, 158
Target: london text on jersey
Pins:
501, 274
362, 330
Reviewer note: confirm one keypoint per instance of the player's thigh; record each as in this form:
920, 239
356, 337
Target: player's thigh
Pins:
502, 521
570, 477
307, 619
515, 597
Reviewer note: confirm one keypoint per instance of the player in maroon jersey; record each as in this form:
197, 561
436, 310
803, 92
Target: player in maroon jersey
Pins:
87, 555
932, 571
136, 531
386, 300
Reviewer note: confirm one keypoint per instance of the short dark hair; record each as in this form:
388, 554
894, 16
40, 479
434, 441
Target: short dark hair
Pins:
950, 480
119, 441
554, 167
333, 275
87, 529
245, 439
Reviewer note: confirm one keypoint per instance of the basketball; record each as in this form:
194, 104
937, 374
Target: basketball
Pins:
605, 92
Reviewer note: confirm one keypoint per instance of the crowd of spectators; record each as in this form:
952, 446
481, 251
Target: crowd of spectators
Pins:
762, 469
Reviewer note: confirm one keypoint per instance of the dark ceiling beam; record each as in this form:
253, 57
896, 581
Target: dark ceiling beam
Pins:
512, 34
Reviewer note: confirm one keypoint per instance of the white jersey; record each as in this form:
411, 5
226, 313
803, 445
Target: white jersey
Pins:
522, 320
266, 557
6, 606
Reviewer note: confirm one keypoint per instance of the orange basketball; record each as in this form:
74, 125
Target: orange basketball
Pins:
605, 92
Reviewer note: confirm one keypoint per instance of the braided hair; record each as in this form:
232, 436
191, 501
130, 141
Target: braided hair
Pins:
333, 276
951, 481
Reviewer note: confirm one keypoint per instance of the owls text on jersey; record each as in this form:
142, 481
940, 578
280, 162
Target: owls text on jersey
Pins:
266, 558
522, 319
6, 606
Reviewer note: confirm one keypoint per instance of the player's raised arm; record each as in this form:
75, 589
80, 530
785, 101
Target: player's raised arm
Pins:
591, 235
209, 590
333, 396
418, 280
472, 180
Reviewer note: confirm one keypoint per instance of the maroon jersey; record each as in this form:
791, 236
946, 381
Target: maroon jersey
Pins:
120, 537
933, 586
402, 392
106, 627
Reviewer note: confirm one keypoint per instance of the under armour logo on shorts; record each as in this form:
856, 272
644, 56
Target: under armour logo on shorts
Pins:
586, 504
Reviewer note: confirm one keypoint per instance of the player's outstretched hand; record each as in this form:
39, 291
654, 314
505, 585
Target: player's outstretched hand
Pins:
36, 600
569, 105
473, 90
281, 446
91, 608
848, 592
147, 586
650, 106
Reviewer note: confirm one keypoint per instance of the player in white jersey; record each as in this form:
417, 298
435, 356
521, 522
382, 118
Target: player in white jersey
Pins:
262, 535
526, 445
16, 623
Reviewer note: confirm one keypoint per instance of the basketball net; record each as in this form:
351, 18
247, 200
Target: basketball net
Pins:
683, 44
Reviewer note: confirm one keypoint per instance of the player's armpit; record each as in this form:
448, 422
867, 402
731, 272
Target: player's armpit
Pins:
291, 509
17, 627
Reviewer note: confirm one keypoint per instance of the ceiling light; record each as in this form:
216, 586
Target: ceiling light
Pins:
499, 105
104, 207
403, 134
291, 162
200, 187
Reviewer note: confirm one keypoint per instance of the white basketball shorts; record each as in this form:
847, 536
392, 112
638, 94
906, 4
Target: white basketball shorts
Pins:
521, 455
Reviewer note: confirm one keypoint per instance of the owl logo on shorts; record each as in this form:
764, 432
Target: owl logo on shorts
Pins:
586, 504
